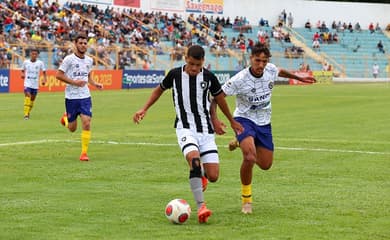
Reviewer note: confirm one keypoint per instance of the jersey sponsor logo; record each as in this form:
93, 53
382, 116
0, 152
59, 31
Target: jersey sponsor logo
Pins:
80, 74
271, 85
259, 106
203, 85
259, 98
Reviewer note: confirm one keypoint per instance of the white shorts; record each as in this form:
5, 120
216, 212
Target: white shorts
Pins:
190, 140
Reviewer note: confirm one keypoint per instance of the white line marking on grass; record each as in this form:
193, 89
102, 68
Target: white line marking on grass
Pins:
332, 150
174, 144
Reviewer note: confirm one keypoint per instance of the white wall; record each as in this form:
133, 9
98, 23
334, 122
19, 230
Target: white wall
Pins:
302, 10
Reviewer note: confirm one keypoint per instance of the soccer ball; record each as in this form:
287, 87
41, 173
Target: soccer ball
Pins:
178, 211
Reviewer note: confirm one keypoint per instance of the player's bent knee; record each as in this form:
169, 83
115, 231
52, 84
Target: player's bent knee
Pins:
250, 158
212, 177
265, 166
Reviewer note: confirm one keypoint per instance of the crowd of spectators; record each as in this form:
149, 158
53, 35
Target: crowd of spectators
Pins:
127, 33
130, 34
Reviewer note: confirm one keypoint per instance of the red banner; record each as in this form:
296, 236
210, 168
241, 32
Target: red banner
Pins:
301, 74
111, 79
128, 3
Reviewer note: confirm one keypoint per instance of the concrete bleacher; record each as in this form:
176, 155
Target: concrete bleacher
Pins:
356, 52
277, 49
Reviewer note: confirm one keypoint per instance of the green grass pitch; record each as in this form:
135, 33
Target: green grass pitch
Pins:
330, 178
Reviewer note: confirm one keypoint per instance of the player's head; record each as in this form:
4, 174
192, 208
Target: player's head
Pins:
260, 56
194, 60
34, 52
81, 43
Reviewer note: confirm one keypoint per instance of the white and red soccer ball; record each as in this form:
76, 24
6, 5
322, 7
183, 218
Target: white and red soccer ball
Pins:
178, 211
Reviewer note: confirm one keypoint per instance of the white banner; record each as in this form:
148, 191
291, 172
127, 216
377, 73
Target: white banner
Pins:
102, 2
167, 5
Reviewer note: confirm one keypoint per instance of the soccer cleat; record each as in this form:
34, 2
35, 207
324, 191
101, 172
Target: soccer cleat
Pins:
84, 157
203, 213
205, 181
26, 117
64, 120
246, 208
233, 144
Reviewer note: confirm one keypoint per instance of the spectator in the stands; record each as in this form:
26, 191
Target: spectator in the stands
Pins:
350, 28
380, 46
316, 44
334, 25
284, 16
377, 27
335, 37
375, 70
303, 67
323, 27
287, 38
371, 28
146, 65
325, 66
358, 27
263, 23
308, 25
290, 20
251, 43
316, 36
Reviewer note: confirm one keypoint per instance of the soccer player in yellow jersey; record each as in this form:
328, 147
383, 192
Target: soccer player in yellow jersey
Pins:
75, 71
31, 71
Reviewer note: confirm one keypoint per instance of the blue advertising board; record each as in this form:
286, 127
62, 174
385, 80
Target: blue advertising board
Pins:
142, 78
4, 80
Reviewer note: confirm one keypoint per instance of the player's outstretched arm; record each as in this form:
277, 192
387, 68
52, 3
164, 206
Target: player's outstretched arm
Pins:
140, 114
93, 83
286, 74
220, 100
219, 126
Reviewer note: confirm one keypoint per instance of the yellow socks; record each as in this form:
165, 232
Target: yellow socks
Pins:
27, 106
246, 193
85, 138
31, 106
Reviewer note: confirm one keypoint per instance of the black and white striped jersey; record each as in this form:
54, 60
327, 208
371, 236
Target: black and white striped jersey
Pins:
191, 98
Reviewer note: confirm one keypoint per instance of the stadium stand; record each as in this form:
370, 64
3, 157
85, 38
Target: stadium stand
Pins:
356, 51
130, 39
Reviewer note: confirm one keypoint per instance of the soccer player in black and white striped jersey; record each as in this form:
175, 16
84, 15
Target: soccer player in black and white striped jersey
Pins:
195, 126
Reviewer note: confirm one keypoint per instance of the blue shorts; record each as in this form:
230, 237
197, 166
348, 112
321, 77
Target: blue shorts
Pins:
75, 107
32, 91
261, 134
